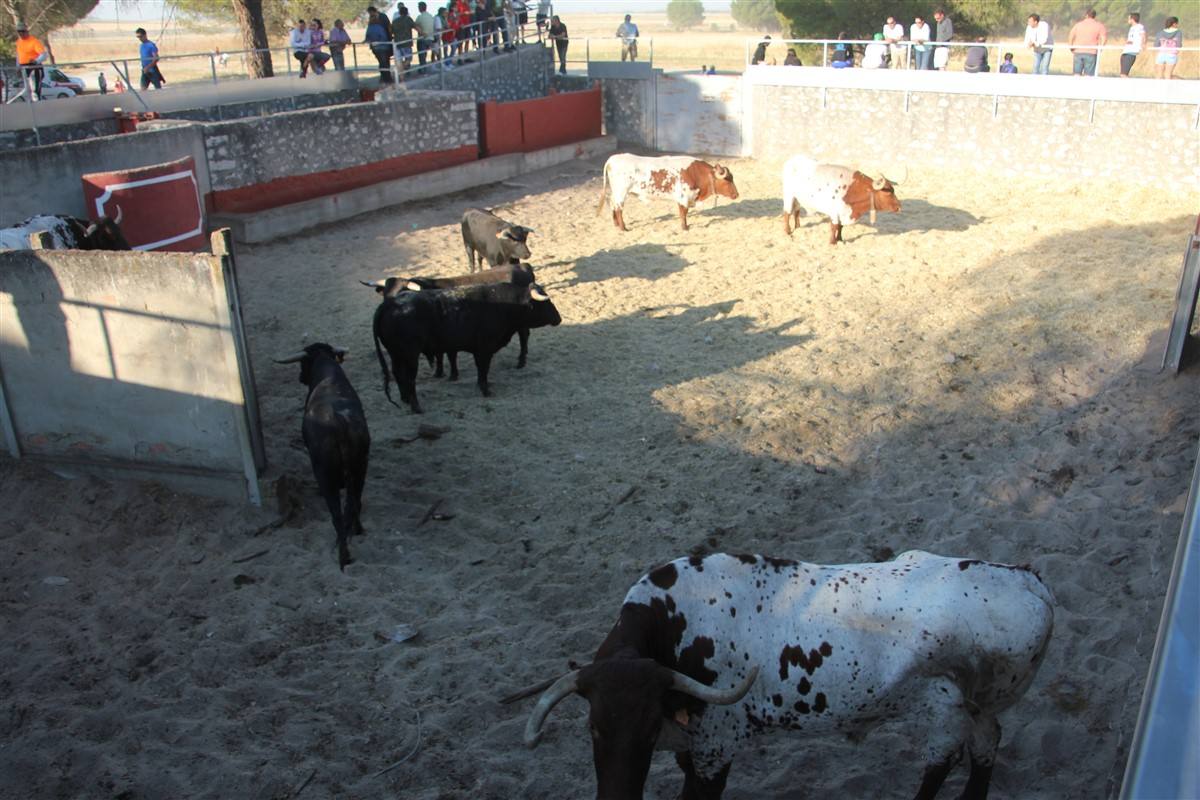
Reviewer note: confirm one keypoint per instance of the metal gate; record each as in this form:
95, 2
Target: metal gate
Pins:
699, 114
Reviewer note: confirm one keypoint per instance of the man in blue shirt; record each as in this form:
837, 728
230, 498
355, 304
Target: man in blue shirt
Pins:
149, 55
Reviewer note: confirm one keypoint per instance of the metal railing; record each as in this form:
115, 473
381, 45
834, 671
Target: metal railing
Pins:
357, 57
910, 54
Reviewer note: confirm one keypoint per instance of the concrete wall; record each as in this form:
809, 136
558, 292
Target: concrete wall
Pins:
629, 100
1133, 130
522, 75
46, 180
124, 361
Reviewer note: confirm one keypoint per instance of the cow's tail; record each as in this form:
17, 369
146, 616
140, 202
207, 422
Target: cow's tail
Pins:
603, 191
387, 377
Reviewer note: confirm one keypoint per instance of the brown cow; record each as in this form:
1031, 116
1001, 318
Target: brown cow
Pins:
683, 179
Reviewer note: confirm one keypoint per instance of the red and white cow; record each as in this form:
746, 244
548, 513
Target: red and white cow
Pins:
840, 193
709, 652
684, 179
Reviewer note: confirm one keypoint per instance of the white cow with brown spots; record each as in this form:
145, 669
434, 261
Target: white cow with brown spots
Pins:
684, 179
709, 652
840, 193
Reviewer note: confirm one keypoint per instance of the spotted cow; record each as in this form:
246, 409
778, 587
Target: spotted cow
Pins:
684, 179
709, 652
840, 193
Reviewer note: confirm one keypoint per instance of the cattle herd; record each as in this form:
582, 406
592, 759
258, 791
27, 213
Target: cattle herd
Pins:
706, 652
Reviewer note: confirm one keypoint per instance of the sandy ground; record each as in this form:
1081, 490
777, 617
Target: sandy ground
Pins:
974, 376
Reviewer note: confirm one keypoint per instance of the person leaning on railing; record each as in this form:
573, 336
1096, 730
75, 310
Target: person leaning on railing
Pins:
558, 35
338, 39
380, 43
1041, 42
1135, 42
31, 54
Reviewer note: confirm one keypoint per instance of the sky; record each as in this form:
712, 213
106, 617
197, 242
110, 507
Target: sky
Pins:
153, 9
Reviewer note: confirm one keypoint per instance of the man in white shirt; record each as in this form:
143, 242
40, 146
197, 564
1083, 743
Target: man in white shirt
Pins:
300, 41
875, 54
893, 34
919, 35
1134, 43
628, 33
1041, 42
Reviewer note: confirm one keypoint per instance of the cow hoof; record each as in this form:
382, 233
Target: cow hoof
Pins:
453, 376
521, 364
344, 560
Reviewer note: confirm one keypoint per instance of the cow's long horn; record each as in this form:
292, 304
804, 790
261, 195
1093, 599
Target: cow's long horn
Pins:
340, 352
719, 697
879, 183
379, 284
120, 215
722, 172
292, 359
537, 293
566, 685
90, 230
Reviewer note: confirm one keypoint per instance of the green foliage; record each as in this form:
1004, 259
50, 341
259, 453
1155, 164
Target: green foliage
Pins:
684, 14
280, 15
42, 17
756, 15
824, 19
1062, 14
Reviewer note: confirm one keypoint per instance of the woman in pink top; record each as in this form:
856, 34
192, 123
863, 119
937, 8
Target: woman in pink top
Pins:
316, 57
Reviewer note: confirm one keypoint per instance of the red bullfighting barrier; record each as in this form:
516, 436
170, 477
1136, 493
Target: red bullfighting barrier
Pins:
160, 205
527, 125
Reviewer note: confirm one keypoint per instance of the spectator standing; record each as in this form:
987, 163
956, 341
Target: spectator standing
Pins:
1008, 67
543, 13
918, 34
383, 21
338, 39
792, 60
628, 34
317, 57
119, 86
501, 11
945, 32
31, 54
1169, 42
760, 52
460, 18
380, 43
1041, 42
148, 52
520, 18
875, 56
558, 34
893, 34
482, 20
426, 30
1135, 42
404, 30
300, 40
977, 57
1084, 39
102, 83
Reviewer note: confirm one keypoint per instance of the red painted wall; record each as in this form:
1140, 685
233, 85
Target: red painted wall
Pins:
159, 205
295, 188
527, 125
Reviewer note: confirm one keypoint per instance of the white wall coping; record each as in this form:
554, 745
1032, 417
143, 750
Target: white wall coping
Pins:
1069, 87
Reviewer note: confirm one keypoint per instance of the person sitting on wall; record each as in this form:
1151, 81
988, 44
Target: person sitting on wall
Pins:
317, 57
843, 53
300, 41
977, 57
1008, 68
792, 59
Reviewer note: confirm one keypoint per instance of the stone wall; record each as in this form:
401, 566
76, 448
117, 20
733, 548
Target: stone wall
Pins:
1072, 138
264, 149
629, 110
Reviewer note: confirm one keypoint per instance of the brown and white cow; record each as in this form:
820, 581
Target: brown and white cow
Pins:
840, 193
684, 179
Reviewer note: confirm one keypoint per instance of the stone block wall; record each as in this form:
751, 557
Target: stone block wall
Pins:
1121, 140
629, 112
521, 75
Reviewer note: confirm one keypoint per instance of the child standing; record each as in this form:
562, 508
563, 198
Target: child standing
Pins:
1008, 67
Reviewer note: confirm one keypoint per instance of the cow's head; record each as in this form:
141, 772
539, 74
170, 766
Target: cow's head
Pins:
870, 193
390, 287
542, 310
723, 182
105, 234
312, 355
515, 240
632, 703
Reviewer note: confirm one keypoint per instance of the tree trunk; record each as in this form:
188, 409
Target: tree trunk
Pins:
254, 37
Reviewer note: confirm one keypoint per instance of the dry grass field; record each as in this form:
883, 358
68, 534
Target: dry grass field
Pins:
718, 41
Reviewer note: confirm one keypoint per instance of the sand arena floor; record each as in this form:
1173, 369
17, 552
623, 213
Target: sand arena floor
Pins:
974, 376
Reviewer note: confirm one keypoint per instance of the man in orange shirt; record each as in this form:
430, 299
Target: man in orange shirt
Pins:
1085, 35
30, 55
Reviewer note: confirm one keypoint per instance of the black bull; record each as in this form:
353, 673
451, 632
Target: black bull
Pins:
479, 320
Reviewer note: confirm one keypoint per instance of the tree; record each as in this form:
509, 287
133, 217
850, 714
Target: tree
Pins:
42, 17
758, 15
824, 19
683, 14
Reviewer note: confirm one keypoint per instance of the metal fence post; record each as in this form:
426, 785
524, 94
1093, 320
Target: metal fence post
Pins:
354, 56
825, 54
212, 61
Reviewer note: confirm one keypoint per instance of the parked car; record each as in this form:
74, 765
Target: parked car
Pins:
55, 84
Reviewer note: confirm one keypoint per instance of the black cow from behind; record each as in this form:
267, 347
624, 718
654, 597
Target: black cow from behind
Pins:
336, 436
67, 233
